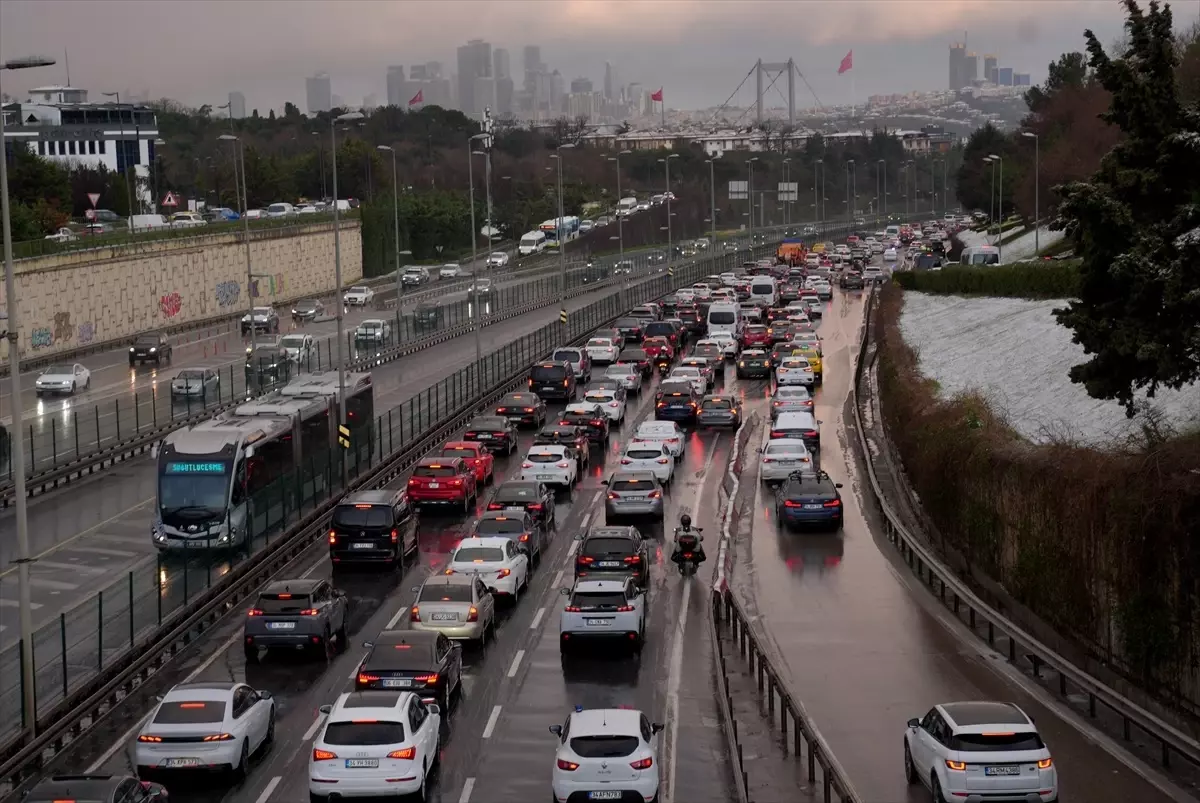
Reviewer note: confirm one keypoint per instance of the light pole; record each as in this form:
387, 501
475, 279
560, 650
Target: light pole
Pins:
395, 217
909, 201
560, 235
712, 190
321, 163
849, 189
991, 160
229, 107
1037, 182
17, 445
154, 175
787, 192
138, 145
666, 163
475, 305
883, 197
337, 272
616, 160
750, 194
239, 153
999, 207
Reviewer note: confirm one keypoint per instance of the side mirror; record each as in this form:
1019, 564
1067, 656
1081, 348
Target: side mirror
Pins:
564, 591
700, 538
556, 730
416, 589
837, 485
759, 450
657, 727
368, 644
158, 697
433, 708
914, 723
264, 695
326, 709
579, 536
820, 422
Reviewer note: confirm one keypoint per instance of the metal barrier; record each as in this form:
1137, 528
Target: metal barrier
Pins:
992, 626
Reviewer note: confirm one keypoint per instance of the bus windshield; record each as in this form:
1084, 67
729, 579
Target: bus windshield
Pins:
196, 487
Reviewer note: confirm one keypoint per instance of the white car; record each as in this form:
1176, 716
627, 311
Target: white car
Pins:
649, 456
610, 401
889, 254
872, 274
727, 343
550, 464
729, 279
782, 456
794, 371
306, 209
824, 290
627, 374
602, 350
497, 561
666, 433
692, 375
588, 773
374, 331
791, 399
205, 725
497, 259
449, 271
685, 294
603, 609
979, 751
374, 744
298, 348
62, 378
702, 290
877, 248
359, 296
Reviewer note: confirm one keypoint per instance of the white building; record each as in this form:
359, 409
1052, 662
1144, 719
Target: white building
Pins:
58, 123
237, 105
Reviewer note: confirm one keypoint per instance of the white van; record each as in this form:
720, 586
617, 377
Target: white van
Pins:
980, 255
533, 242
147, 222
891, 232
725, 317
764, 290
627, 207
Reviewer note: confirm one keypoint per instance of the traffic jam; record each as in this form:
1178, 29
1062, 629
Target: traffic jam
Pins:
502, 618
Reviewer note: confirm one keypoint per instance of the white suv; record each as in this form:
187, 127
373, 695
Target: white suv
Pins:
979, 750
550, 464
374, 743
604, 753
603, 609
652, 456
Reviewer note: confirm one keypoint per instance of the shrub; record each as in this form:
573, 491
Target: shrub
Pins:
1034, 280
1100, 545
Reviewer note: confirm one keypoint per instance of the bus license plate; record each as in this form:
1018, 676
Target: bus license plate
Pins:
1001, 770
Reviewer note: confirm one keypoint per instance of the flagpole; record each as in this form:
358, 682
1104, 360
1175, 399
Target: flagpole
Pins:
662, 108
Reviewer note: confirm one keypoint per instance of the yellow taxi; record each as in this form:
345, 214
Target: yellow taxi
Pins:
813, 355
818, 248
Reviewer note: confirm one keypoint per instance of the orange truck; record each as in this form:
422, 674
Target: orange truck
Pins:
791, 252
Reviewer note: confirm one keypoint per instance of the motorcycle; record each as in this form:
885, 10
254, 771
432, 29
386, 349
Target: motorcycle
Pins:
663, 365
688, 554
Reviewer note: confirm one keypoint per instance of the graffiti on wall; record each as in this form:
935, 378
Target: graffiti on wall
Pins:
170, 304
41, 338
272, 285
228, 293
63, 330
87, 332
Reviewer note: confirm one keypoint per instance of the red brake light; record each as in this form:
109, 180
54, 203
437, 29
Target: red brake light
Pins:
653, 495
407, 754
332, 537
309, 612
645, 763
472, 614
395, 536
625, 461
536, 506
586, 559
633, 559
834, 503
569, 766
426, 679
811, 433
495, 506
254, 612
573, 609
563, 465
662, 461
323, 755
790, 503
503, 573
415, 614
365, 678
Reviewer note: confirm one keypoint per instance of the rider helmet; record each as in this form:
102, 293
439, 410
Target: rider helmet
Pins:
685, 521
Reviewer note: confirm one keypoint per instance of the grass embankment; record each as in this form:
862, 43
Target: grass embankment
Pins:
1032, 280
1100, 545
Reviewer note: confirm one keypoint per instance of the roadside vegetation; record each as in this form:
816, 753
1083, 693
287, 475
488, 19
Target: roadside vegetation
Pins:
1032, 280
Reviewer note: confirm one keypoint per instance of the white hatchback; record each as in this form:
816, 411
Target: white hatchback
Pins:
449, 271
782, 456
603, 609
693, 376
667, 433
374, 743
649, 456
606, 754
794, 371
495, 560
612, 403
550, 464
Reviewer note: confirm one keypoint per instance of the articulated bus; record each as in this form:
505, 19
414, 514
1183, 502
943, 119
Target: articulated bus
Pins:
222, 480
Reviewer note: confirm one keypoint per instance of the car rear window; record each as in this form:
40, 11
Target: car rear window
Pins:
445, 593
362, 516
643, 454
598, 599
364, 733
460, 451
608, 546
541, 457
598, 398
604, 746
181, 712
631, 486
999, 742
282, 603
660, 329
489, 424
632, 355
516, 492
566, 355
433, 471
400, 657
548, 373
505, 526
482, 554
718, 404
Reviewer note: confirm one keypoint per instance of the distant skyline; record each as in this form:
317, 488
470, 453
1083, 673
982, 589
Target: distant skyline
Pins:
190, 52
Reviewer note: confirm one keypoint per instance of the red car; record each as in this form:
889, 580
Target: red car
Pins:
476, 455
755, 335
658, 346
443, 480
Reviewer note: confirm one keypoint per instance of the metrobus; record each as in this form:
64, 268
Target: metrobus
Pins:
560, 230
214, 477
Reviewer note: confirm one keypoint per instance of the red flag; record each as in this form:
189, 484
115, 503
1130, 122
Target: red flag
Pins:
656, 96
847, 63
417, 98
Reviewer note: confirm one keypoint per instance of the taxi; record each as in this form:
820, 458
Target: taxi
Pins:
814, 359
474, 454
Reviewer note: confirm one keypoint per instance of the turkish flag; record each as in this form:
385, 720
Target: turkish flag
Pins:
417, 98
657, 96
847, 63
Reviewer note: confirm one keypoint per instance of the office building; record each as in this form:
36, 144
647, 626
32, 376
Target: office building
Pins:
370, 102
397, 87
584, 104
501, 64
531, 63
428, 80
610, 82
237, 105
970, 69
338, 102
1004, 76
581, 85
319, 92
989, 68
1020, 79
958, 55
557, 92
474, 62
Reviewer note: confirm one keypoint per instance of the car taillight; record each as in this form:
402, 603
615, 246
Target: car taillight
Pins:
472, 614
834, 503
527, 464
254, 612
1045, 763
365, 678
633, 559
323, 755
309, 612
768, 459
672, 440
778, 434
645, 763
790, 503
569, 766
565, 381
563, 465
332, 537
413, 481
524, 536
656, 494
625, 461
218, 737
535, 506
661, 404
586, 559
613, 496
662, 461
529, 409
146, 739
407, 754
430, 679
597, 422
811, 433
503, 573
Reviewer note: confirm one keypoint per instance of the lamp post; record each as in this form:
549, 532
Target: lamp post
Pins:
883, 197
616, 160
849, 190
750, 194
128, 183
337, 271
712, 190
154, 175
666, 163
999, 207
395, 217
475, 305
560, 235
17, 445
321, 163
1037, 182
991, 196
229, 107
787, 192
240, 154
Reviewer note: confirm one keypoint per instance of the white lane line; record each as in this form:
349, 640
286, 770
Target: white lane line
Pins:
491, 723
468, 787
266, 793
391, 625
558, 578
311, 569
313, 728
583, 524
574, 548
537, 618
516, 664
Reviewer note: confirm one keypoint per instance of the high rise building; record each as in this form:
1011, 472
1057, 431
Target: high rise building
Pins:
397, 87
557, 93
531, 62
474, 62
427, 79
319, 93
336, 102
610, 82
958, 55
1004, 76
583, 104
505, 91
1020, 79
370, 102
970, 69
581, 85
237, 105
501, 66
989, 68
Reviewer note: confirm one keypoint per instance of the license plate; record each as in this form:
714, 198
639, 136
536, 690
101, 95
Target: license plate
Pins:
1001, 770
435, 485
281, 625
180, 762
609, 564
788, 462
361, 763
813, 507
597, 622
546, 477
362, 545
604, 795
397, 683
483, 436
549, 387
445, 617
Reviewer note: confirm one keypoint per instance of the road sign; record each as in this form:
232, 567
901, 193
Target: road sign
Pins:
562, 317
344, 436
788, 191
739, 190
170, 200
90, 214
670, 271
93, 197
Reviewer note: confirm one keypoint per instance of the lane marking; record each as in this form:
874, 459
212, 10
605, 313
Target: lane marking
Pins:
574, 548
583, 524
313, 728
357, 667
516, 664
491, 723
266, 793
558, 578
12, 603
468, 787
71, 567
537, 618
51, 550
391, 625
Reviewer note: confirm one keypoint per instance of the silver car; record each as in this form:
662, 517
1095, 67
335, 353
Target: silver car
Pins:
458, 606
633, 494
298, 615
628, 375
791, 399
204, 383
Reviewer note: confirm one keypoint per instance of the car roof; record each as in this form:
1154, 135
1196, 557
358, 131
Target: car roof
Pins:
514, 512
380, 497
85, 787
449, 580
612, 532
600, 585
416, 638
483, 541
795, 418
641, 476
439, 461
547, 448
977, 714
299, 586
794, 443
215, 691
368, 704
599, 721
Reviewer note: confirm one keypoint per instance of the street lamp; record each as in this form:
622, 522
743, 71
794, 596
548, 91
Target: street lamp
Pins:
1037, 181
475, 305
337, 271
229, 107
849, 210
999, 207
750, 193
818, 166
787, 192
17, 446
245, 225
712, 189
666, 163
395, 217
321, 163
560, 235
881, 170
616, 160
137, 143
991, 160
154, 174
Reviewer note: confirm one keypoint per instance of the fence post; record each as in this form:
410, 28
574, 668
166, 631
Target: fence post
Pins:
137, 414
96, 410
132, 627
117, 415
75, 425
62, 640
100, 630
54, 442
158, 583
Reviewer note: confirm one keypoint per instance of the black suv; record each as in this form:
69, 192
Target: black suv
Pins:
608, 551
496, 432
535, 497
523, 408
427, 315
517, 526
553, 380
96, 789
632, 329
677, 401
850, 280
150, 347
372, 526
594, 423
638, 357
412, 660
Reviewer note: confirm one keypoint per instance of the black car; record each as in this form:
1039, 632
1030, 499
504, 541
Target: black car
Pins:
96, 789
516, 525
573, 437
927, 262
608, 551
267, 366
694, 321
150, 347
664, 329
593, 422
496, 432
631, 329
372, 526
638, 357
850, 280
535, 497
677, 401
428, 315
412, 660
307, 310
754, 364
523, 408
808, 498
553, 380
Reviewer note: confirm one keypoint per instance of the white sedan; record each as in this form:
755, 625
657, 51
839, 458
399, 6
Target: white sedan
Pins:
497, 259
611, 402
550, 464
205, 725
781, 457
602, 350
693, 375
358, 296
449, 271
649, 456
628, 375
794, 371
666, 433
495, 560
63, 378
889, 254
726, 342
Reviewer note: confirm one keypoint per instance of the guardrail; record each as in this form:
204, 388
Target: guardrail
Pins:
992, 626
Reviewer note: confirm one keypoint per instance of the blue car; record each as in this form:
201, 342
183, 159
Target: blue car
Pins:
809, 499
677, 401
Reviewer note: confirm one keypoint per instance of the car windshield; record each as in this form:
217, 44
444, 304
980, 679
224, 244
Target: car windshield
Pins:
147, 340
414, 271
608, 546
190, 373
198, 712
363, 734
479, 554
792, 394
445, 592
500, 526
362, 516
516, 493
566, 355
293, 342
306, 305
549, 373
604, 746
489, 424
58, 370
721, 318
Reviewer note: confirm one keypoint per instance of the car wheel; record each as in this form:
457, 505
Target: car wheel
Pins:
269, 739
935, 789
343, 642
72, 387
243, 767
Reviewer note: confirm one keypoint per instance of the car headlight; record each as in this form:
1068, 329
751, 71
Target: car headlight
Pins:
153, 350
131, 349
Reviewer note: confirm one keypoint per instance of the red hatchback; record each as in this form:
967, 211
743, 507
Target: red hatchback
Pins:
443, 480
476, 455
656, 346
755, 335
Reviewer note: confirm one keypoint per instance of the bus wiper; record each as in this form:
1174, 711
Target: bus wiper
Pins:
190, 509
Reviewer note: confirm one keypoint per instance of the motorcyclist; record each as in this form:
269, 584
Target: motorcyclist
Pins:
685, 532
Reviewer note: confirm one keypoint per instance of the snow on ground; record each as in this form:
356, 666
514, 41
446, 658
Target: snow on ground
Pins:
1016, 355
1020, 248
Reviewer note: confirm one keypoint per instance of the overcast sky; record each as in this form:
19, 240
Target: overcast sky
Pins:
198, 51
